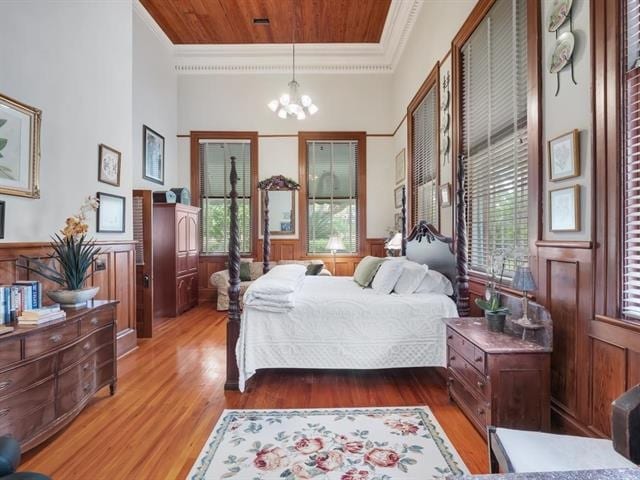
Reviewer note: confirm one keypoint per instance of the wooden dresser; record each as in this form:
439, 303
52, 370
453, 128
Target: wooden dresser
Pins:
176, 237
497, 379
48, 373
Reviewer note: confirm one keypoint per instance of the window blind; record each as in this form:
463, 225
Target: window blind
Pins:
424, 192
631, 161
494, 134
332, 193
215, 187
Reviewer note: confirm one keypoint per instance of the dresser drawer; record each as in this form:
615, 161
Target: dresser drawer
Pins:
21, 377
28, 425
96, 320
75, 352
77, 374
461, 345
17, 406
51, 338
9, 351
476, 409
80, 385
478, 382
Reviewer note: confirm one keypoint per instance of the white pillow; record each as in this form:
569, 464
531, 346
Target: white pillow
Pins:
386, 277
435, 282
412, 275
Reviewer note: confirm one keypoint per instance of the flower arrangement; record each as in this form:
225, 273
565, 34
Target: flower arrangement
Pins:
71, 249
491, 302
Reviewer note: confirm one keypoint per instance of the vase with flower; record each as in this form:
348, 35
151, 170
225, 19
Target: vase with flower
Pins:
494, 312
74, 253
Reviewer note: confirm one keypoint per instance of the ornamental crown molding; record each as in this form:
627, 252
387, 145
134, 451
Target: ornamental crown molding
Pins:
310, 57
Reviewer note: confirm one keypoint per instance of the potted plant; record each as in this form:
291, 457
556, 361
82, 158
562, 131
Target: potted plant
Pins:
74, 254
495, 314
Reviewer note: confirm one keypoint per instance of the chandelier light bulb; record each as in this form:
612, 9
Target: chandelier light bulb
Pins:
306, 100
273, 105
312, 109
282, 113
285, 99
301, 115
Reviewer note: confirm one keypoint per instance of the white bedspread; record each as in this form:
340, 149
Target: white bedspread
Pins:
338, 324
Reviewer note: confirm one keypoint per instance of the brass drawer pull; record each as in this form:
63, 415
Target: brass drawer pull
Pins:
86, 346
55, 338
479, 359
452, 358
87, 387
85, 367
5, 384
94, 321
480, 411
450, 337
4, 412
480, 384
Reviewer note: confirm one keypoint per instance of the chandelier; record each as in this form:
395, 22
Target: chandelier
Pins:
292, 104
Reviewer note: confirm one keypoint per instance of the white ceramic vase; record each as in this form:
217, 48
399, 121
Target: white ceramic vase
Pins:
73, 298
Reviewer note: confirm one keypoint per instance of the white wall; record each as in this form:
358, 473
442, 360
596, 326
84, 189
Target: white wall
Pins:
72, 60
155, 99
347, 102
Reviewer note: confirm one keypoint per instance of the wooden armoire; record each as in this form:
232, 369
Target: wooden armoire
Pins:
175, 258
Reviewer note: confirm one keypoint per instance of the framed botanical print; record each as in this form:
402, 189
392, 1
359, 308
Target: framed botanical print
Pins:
445, 195
19, 148
564, 209
564, 156
109, 165
400, 166
397, 194
153, 155
111, 213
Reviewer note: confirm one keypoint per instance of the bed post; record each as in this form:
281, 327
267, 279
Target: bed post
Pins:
461, 244
266, 236
233, 317
403, 250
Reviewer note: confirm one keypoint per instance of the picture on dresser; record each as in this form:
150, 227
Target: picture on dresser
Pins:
564, 209
564, 156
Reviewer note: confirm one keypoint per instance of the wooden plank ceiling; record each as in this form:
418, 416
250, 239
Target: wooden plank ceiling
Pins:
232, 21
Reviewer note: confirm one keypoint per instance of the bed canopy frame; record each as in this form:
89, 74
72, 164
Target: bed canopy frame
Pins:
424, 244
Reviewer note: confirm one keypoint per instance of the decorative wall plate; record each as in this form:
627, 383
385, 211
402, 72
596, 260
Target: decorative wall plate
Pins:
562, 52
559, 12
444, 121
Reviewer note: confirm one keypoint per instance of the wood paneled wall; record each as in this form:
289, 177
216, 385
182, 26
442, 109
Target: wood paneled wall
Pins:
286, 249
116, 281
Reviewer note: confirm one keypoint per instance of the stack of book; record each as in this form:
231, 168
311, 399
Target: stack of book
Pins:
15, 299
41, 315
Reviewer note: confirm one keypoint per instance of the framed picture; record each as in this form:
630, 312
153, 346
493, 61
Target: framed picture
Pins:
564, 156
400, 167
109, 165
153, 155
110, 213
397, 193
564, 209
445, 195
398, 222
2, 208
19, 148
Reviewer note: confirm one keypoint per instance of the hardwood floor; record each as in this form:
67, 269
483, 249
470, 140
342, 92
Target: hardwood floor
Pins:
170, 395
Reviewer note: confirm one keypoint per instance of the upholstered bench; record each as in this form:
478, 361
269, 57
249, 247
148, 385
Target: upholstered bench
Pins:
10, 459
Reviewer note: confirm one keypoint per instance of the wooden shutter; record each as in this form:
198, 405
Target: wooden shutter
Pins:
215, 166
494, 133
631, 161
332, 190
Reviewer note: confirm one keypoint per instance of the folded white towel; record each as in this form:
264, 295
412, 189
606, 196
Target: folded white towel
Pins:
276, 291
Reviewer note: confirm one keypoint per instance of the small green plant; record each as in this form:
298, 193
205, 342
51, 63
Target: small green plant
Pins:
491, 304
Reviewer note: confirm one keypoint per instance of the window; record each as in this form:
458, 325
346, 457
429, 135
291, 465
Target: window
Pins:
334, 167
215, 186
631, 161
493, 121
423, 153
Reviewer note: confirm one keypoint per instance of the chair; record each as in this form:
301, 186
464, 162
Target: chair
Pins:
10, 459
520, 451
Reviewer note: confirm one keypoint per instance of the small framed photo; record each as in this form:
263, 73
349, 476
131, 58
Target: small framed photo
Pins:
2, 208
400, 167
564, 209
398, 222
564, 156
109, 165
445, 195
153, 155
397, 194
111, 213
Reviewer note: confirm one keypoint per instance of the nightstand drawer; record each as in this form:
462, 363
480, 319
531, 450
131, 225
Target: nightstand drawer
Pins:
478, 382
461, 345
478, 410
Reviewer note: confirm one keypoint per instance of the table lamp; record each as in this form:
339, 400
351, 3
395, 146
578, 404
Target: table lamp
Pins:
523, 281
334, 244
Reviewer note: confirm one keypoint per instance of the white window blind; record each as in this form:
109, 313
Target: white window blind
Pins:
424, 191
332, 175
215, 187
494, 134
631, 161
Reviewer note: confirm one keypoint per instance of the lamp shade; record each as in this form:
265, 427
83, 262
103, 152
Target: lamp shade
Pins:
395, 242
335, 243
523, 280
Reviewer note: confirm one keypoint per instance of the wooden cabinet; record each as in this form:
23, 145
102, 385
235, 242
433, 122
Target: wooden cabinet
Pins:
176, 234
58, 368
497, 379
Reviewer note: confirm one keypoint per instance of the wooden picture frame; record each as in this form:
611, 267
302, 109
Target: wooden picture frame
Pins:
444, 191
109, 162
564, 209
152, 155
397, 195
19, 148
400, 166
2, 214
110, 216
563, 154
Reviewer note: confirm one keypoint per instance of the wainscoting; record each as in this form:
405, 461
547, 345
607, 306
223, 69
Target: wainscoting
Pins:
288, 249
116, 281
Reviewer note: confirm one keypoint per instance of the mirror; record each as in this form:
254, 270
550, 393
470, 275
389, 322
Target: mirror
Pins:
282, 219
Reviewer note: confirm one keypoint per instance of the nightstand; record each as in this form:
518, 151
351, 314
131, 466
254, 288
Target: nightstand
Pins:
496, 378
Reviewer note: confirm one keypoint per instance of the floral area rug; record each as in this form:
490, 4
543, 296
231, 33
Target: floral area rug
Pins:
328, 444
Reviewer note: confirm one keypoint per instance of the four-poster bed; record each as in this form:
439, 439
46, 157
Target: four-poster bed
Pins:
424, 245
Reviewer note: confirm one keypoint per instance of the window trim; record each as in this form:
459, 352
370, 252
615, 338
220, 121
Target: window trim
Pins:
432, 81
196, 136
361, 138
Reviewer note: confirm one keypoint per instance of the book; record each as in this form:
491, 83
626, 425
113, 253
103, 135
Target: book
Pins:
43, 319
35, 299
36, 313
4, 329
